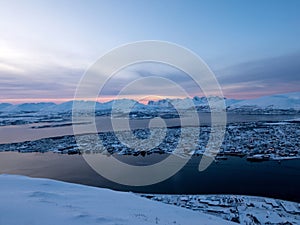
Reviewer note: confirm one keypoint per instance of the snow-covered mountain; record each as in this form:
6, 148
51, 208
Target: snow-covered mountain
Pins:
27, 107
278, 101
120, 104
170, 103
188, 103
3, 106
68, 106
41, 201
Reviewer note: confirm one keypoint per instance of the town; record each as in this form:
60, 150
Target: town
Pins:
258, 141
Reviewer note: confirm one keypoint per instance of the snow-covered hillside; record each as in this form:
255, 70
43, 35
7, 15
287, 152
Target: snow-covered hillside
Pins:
31, 201
279, 101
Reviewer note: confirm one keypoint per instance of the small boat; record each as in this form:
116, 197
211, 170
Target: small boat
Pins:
239, 154
221, 157
258, 158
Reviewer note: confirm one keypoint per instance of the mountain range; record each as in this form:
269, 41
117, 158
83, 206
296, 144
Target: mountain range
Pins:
278, 101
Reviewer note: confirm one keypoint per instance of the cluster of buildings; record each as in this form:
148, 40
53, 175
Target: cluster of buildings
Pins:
239, 209
255, 140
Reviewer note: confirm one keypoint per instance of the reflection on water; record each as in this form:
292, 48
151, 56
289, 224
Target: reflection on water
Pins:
232, 176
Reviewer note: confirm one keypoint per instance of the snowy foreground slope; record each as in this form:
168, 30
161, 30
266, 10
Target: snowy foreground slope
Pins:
32, 201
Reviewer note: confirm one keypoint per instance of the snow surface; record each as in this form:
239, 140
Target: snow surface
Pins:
34, 201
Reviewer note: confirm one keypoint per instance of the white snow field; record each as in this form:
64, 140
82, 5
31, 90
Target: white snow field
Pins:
32, 201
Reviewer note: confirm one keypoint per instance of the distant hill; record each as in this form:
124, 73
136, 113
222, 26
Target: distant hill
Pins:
26, 107
278, 101
3, 106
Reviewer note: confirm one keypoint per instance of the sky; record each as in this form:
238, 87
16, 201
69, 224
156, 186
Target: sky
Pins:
252, 47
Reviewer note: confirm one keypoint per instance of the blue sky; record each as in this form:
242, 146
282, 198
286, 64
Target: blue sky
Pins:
45, 46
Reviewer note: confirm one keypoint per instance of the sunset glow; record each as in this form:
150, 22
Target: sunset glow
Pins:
252, 51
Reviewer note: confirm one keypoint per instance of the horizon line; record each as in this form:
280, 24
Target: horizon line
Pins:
143, 100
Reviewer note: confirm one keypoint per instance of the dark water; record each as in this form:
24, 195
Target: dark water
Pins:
232, 176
